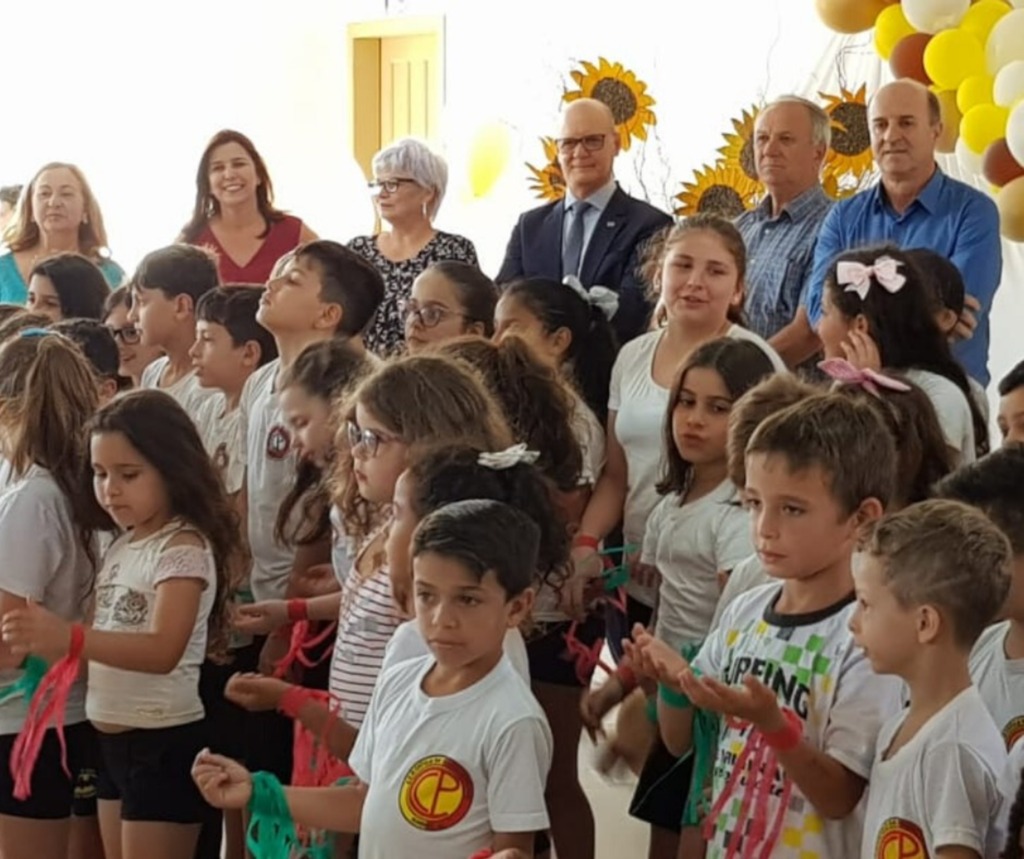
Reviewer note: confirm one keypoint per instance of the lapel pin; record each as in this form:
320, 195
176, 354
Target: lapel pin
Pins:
610, 224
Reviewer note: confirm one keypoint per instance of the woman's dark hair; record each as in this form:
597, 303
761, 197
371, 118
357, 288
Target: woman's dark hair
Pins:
593, 347
206, 205
903, 325
78, 282
443, 474
740, 364
165, 436
536, 403
328, 369
476, 292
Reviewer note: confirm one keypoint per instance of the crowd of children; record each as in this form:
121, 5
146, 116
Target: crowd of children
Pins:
266, 591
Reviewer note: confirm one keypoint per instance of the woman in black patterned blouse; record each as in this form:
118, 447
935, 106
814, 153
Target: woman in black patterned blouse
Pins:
409, 184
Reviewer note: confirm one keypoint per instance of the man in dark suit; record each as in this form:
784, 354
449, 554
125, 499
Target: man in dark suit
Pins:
598, 231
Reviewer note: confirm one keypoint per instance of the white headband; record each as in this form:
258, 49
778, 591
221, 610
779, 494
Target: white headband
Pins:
508, 458
600, 297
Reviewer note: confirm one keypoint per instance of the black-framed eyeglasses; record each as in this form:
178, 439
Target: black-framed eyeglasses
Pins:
128, 334
389, 185
366, 439
427, 315
592, 143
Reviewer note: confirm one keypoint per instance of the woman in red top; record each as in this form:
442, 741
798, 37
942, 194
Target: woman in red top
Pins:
234, 214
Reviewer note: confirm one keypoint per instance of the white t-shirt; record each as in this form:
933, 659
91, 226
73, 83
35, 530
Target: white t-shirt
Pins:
1000, 682
45, 560
952, 409
941, 789
223, 435
640, 405
590, 437
408, 643
270, 462
342, 550
812, 664
187, 390
446, 773
689, 545
126, 593
745, 576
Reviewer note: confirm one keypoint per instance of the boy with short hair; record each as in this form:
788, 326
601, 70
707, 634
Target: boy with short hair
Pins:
454, 753
1011, 405
929, 581
98, 345
166, 287
800, 704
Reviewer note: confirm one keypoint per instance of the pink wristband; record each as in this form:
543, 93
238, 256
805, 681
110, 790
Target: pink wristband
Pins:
787, 738
297, 610
586, 541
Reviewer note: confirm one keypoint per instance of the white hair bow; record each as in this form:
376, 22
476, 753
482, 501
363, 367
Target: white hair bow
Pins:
856, 276
508, 458
604, 299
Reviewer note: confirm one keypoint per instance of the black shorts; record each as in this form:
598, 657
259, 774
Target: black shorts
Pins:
620, 625
662, 789
550, 660
150, 772
53, 794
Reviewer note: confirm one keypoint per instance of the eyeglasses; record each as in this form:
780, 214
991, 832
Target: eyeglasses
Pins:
369, 440
129, 335
428, 316
389, 185
592, 143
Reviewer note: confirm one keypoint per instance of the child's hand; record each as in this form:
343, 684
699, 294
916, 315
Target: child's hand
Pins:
254, 692
275, 648
654, 658
261, 618
595, 704
33, 629
224, 783
586, 567
752, 702
862, 351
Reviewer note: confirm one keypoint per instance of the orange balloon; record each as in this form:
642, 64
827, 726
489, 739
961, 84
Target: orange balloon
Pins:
849, 16
950, 121
999, 166
907, 58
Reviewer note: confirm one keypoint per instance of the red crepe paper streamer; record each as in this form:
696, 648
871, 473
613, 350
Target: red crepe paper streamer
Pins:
301, 644
48, 705
313, 764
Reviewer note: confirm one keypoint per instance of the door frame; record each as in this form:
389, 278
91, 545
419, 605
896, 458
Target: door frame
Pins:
363, 40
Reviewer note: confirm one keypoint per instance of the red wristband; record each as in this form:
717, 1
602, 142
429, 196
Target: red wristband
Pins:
787, 738
77, 641
292, 700
627, 677
297, 610
586, 541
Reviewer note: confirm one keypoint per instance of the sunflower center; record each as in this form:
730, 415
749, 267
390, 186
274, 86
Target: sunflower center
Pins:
747, 161
618, 96
850, 133
722, 200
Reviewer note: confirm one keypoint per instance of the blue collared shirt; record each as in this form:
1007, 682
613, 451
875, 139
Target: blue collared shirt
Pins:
599, 201
948, 217
780, 254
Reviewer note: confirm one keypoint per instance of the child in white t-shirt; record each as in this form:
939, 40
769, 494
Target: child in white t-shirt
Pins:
799, 704
165, 290
928, 582
454, 753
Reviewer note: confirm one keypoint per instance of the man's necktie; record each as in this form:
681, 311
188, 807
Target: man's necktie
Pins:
572, 251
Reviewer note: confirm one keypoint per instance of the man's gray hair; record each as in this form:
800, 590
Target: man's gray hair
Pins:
821, 122
418, 161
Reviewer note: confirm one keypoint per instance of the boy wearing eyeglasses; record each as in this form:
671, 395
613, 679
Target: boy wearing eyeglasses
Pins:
133, 356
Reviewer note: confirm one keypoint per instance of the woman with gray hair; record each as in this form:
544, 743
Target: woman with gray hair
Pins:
409, 182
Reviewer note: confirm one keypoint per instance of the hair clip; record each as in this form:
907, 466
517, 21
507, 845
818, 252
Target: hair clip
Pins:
604, 299
508, 458
35, 332
856, 276
843, 372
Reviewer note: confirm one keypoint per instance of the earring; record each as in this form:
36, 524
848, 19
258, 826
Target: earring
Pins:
425, 215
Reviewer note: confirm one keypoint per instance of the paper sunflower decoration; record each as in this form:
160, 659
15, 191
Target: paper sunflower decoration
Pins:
547, 182
850, 152
723, 189
739, 145
618, 88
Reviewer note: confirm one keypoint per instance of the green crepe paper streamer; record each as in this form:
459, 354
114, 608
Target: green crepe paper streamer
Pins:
271, 833
33, 670
616, 577
629, 547
705, 744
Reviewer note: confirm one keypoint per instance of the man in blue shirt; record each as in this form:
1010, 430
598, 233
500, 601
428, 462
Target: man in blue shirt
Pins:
791, 138
915, 205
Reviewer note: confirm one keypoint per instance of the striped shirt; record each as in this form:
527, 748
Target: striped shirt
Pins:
367, 620
780, 257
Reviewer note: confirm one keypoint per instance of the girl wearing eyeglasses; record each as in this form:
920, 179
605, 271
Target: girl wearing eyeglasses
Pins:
135, 356
448, 300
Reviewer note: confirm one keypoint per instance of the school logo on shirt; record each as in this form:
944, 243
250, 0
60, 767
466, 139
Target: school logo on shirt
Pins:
1013, 731
436, 794
900, 839
279, 442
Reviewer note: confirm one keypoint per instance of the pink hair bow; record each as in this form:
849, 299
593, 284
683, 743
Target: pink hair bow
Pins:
843, 372
856, 276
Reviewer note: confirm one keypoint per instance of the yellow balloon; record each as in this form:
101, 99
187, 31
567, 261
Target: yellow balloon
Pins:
950, 121
952, 56
488, 157
1010, 202
891, 25
983, 125
982, 17
977, 89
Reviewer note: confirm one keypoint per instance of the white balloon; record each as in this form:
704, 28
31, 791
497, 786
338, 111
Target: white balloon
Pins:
1015, 132
1006, 41
1008, 88
930, 16
969, 160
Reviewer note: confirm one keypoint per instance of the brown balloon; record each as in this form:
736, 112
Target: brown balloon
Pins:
950, 121
907, 58
1010, 202
999, 166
